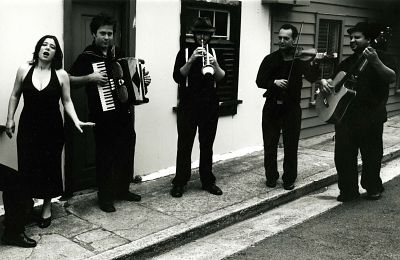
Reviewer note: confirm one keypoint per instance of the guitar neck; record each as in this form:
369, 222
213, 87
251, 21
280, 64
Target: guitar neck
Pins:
354, 71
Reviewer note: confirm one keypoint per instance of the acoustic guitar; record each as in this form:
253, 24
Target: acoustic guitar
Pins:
331, 107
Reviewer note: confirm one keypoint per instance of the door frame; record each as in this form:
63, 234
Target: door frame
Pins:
128, 43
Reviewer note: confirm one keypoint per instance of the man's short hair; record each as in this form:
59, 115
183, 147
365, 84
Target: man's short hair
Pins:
100, 20
288, 26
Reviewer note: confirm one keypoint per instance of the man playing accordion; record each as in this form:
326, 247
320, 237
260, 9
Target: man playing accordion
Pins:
114, 132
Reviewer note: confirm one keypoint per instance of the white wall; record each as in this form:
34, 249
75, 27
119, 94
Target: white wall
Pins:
158, 30
22, 23
244, 129
157, 42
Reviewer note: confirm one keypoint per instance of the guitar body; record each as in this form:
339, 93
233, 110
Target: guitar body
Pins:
332, 107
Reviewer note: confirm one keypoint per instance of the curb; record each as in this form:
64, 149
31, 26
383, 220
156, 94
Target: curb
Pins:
178, 235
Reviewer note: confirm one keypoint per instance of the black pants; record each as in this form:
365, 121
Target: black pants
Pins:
17, 203
17, 207
115, 151
204, 116
348, 141
277, 117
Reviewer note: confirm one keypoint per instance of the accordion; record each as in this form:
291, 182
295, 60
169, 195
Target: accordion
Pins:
125, 84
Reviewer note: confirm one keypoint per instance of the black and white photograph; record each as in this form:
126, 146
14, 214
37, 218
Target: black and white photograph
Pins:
200, 129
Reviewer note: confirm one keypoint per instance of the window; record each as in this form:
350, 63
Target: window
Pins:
226, 42
219, 19
328, 41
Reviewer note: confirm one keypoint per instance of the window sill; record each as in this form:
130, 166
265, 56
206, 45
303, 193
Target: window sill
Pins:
222, 104
230, 103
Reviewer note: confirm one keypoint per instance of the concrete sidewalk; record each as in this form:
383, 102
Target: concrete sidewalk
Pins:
80, 230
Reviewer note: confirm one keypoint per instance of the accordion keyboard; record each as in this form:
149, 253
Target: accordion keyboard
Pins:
105, 92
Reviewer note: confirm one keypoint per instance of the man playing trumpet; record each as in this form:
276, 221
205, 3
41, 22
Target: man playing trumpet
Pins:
196, 71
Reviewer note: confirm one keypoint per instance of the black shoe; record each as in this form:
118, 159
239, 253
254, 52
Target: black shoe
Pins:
66, 196
270, 184
176, 191
346, 198
44, 222
373, 195
213, 189
20, 240
130, 196
288, 186
137, 179
107, 207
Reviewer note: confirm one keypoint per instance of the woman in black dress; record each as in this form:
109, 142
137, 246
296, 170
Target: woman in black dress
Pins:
40, 137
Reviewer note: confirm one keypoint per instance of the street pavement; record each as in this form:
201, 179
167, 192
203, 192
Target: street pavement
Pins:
311, 227
358, 230
80, 230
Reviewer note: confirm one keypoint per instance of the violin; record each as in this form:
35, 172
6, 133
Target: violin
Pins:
306, 55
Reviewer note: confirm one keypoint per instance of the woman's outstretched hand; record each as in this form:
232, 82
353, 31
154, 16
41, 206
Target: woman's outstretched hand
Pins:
81, 124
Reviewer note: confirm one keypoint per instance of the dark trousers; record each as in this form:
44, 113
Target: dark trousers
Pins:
348, 141
277, 117
203, 116
115, 151
17, 203
17, 206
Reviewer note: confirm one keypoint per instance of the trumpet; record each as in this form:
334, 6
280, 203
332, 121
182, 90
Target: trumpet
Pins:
207, 67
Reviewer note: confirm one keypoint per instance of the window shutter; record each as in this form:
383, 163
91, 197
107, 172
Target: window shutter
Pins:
228, 87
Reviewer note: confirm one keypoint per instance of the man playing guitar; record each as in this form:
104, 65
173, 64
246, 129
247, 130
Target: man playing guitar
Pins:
361, 127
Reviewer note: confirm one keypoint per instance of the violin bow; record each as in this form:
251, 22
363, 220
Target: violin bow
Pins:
294, 54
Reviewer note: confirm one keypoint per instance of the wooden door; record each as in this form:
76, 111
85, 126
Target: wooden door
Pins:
80, 158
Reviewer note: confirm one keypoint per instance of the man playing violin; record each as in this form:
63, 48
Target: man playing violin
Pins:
281, 74
361, 127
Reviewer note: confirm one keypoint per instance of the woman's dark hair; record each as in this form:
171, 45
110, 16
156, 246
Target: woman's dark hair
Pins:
288, 26
56, 63
100, 20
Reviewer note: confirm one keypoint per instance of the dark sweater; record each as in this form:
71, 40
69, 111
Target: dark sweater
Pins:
199, 87
274, 67
83, 66
369, 104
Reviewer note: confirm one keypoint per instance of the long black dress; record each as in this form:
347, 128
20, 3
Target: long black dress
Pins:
41, 138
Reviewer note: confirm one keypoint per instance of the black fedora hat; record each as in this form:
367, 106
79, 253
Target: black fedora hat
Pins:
202, 24
362, 27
